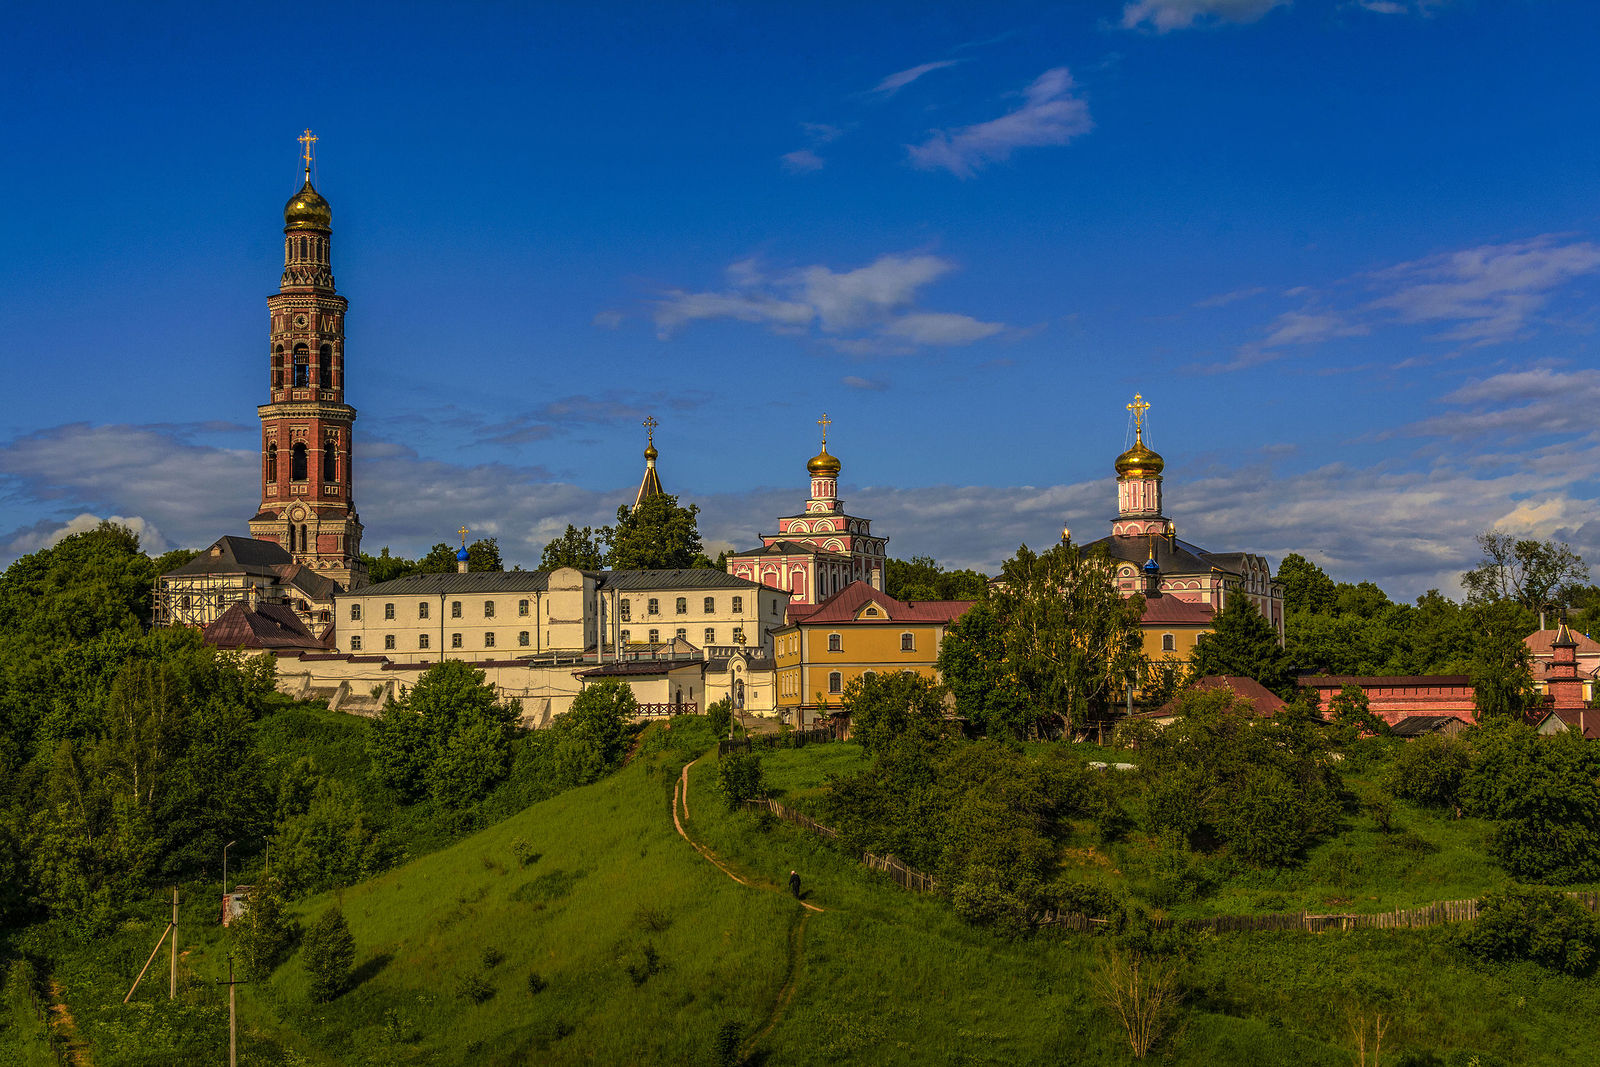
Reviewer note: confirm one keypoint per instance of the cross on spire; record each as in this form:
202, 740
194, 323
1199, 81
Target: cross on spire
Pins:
1139, 406
306, 140
650, 425
463, 533
824, 422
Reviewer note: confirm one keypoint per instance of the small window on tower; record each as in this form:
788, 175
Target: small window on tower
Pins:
272, 463
277, 367
302, 366
330, 463
325, 366
297, 462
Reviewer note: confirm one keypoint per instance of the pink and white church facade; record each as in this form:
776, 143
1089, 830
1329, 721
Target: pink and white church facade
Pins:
819, 552
1149, 558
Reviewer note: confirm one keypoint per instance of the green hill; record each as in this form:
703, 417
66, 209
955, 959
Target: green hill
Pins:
645, 952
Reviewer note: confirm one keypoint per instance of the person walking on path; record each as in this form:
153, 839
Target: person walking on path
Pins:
794, 884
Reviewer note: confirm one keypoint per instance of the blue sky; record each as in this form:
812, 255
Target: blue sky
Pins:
1350, 252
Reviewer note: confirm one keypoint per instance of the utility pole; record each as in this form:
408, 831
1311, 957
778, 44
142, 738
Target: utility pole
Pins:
172, 993
233, 1048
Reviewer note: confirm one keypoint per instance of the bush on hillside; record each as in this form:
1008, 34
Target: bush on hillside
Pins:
719, 717
739, 778
1430, 770
332, 844
447, 736
1544, 793
1535, 923
265, 932
330, 952
592, 737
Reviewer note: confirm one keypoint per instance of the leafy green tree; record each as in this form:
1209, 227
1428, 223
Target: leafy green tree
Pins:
575, 548
1072, 644
1242, 644
888, 707
1352, 715
330, 845
448, 735
592, 737
1305, 586
266, 930
386, 568
924, 578
719, 717
1544, 794
1501, 667
1430, 770
739, 778
656, 535
84, 586
482, 555
330, 953
972, 662
1532, 573
1538, 924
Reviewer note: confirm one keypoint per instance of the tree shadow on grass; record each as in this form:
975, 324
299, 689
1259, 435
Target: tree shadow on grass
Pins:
370, 969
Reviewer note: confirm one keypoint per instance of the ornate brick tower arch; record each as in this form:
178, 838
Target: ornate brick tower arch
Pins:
307, 447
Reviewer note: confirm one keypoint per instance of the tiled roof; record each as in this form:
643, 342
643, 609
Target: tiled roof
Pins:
1539, 642
697, 578
843, 606
264, 626
237, 555
315, 586
1265, 701
1390, 681
1171, 611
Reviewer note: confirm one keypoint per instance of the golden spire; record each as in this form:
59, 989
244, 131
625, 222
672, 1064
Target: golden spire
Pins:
1139, 406
650, 425
306, 140
824, 422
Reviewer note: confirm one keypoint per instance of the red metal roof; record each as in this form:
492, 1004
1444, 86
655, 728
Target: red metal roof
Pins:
843, 607
1264, 701
1172, 611
1539, 642
264, 626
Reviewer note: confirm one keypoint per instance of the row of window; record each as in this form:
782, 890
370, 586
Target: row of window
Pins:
654, 636
423, 608
680, 606
301, 367
298, 463
908, 642
424, 641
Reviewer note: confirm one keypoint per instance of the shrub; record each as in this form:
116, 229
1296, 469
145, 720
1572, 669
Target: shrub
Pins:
473, 987
1535, 923
536, 983
264, 932
1430, 770
652, 919
330, 953
649, 963
1544, 794
739, 778
725, 1048
719, 717
492, 958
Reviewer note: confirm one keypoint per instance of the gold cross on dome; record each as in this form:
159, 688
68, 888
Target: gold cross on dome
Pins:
824, 422
650, 425
306, 140
463, 533
1139, 406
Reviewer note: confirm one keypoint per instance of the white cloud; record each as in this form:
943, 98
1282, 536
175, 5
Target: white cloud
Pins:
802, 161
607, 320
46, 534
868, 384
1520, 404
1165, 15
868, 310
940, 328
1491, 293
1051, 114
895, 82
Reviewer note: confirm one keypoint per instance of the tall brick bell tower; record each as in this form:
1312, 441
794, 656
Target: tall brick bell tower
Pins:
307, 488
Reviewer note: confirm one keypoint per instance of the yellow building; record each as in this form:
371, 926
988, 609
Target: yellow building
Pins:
859, 630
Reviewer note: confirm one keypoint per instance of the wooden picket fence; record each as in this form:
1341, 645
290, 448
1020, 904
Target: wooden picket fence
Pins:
1435, 914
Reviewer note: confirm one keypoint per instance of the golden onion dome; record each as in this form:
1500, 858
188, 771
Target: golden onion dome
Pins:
650, 453
307, 210
824, 465
1140, 462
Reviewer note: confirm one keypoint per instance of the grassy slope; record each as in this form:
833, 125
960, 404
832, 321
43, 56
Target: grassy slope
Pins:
882, 976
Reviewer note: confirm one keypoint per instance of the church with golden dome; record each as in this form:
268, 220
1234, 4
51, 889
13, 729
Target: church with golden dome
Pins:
1184, 585
820, 551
